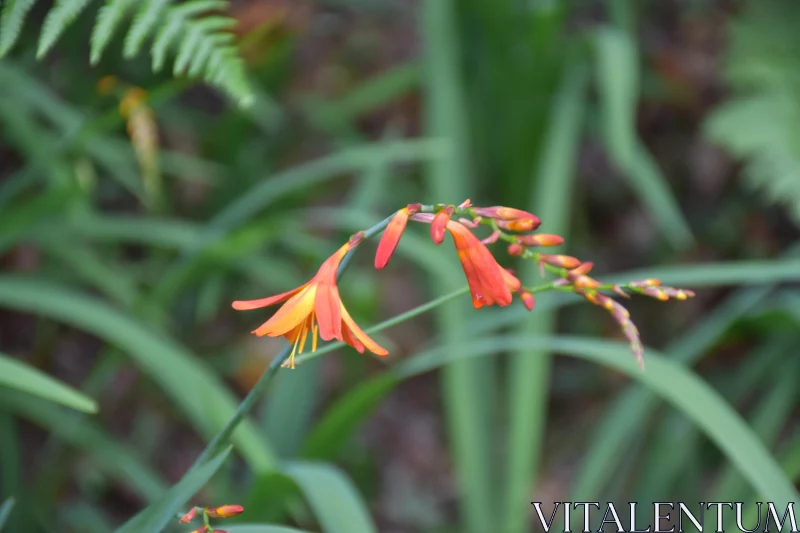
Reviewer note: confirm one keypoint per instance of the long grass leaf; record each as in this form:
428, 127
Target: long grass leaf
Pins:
332, 497
17, 375
5, 511
529, 370
618, 84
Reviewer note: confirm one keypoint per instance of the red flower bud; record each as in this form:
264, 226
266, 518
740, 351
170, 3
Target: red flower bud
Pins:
564, 261
527, 300
440, 223
520, 225
515, 249
224, 511
188, 517
543, 239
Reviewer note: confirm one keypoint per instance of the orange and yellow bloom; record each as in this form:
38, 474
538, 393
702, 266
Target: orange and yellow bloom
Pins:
316, 308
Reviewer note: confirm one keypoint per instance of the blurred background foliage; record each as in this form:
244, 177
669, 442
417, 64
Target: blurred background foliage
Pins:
136, 204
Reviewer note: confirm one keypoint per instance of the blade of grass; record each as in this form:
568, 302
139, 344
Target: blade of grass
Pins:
187, 380
262, 528
17, 375
618, 85
529, 370
332, 497
468, 415
5, 511
11, 458
767, 419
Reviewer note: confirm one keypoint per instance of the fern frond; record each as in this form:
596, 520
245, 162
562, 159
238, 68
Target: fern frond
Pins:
199, 33
175, 27
11, 21
202, 43
143, 24
64, 12
108, 19
760, 124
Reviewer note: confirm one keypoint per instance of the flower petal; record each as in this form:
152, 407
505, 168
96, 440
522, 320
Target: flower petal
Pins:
293, 313
440, 220
359, 335
246, 305
391, 236
327, 306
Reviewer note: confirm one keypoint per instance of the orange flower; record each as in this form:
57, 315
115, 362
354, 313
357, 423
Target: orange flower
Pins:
488, 281
314, 307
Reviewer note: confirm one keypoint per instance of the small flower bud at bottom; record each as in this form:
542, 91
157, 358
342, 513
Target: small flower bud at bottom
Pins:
188, 517
224, 511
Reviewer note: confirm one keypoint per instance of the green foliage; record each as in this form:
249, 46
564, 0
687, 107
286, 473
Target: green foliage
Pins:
760, 124
511, 92
17, 375
202, 44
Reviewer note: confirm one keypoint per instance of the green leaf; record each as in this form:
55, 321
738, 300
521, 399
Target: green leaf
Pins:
332, 497
186, 379
262, 528
63, 13
108, 19
5, 511
618, 85
11, 21
156, 516
529, 371
17, 375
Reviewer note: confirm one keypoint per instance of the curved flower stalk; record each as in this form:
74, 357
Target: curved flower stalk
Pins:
315, 308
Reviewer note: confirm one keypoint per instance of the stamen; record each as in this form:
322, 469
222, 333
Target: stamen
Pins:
303, 335
314, 338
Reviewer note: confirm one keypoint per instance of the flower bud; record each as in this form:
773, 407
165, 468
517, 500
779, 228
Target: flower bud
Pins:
527, 300
520, 225
414, 208
188, 517
439, 224
224, 511
515, 249
564, 261
542, 239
